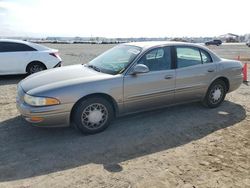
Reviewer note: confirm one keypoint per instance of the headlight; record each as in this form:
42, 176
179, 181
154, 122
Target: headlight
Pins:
40, 101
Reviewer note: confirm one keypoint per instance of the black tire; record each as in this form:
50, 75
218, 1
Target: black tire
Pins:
212, 99
82, 120
35, 67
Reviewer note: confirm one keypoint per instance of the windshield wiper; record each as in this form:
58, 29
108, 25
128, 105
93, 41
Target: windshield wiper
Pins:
94, 67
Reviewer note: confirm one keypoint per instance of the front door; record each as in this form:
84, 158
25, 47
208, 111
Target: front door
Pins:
153, 89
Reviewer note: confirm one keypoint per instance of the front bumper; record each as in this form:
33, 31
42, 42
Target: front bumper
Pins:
49, 116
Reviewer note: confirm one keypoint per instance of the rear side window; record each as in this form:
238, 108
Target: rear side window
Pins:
187, 56
206, 58
14, 47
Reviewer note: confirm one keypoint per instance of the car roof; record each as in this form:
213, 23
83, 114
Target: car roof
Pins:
150, 44
14, 40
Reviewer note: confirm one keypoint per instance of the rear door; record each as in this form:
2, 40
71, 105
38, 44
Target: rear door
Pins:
152, 89
194, 72
14, 57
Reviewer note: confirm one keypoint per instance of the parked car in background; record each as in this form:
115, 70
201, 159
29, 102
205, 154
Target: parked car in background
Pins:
128, 78
21, 57
213, 42
248, 43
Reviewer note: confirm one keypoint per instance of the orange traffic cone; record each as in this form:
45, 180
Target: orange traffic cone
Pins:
244, 70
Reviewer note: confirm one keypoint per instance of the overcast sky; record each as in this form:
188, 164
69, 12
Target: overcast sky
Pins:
124, 18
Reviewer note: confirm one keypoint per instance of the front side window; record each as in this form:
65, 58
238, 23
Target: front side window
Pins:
115, 60
188, 56
157, 59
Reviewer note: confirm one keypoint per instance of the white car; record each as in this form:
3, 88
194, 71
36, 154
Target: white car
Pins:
21, 57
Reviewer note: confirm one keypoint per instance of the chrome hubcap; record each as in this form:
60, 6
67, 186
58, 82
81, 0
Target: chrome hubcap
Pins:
94, 116
216, 94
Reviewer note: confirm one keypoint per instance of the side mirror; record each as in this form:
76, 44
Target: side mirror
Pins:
139, 68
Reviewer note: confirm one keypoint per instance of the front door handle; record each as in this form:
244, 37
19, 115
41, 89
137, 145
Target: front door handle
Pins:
168, 77
210, 70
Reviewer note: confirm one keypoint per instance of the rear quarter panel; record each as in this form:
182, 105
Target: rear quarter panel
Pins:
44, 57
232, 70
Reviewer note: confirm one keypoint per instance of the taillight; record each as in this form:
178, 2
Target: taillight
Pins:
55, 54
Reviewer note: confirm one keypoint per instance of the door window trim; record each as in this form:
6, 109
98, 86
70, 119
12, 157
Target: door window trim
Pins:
174, 55
172, 52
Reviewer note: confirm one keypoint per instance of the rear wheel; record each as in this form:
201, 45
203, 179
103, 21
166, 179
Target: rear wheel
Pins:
93, 115
216, 94
35, 67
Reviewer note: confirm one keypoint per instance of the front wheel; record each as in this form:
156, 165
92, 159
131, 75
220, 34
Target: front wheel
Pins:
215, 95
93, 115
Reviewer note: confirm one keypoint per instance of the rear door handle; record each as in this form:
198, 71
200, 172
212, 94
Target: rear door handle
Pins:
168, 77
210, 70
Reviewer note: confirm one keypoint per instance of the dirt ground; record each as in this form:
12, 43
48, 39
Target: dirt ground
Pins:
183, 146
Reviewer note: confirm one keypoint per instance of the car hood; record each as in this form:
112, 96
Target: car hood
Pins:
61, 77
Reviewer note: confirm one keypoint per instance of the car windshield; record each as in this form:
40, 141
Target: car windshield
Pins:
115, 60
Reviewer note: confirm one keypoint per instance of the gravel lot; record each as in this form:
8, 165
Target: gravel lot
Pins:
182, 146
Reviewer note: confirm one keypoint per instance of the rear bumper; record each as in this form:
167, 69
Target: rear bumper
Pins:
235, 84
58, 64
